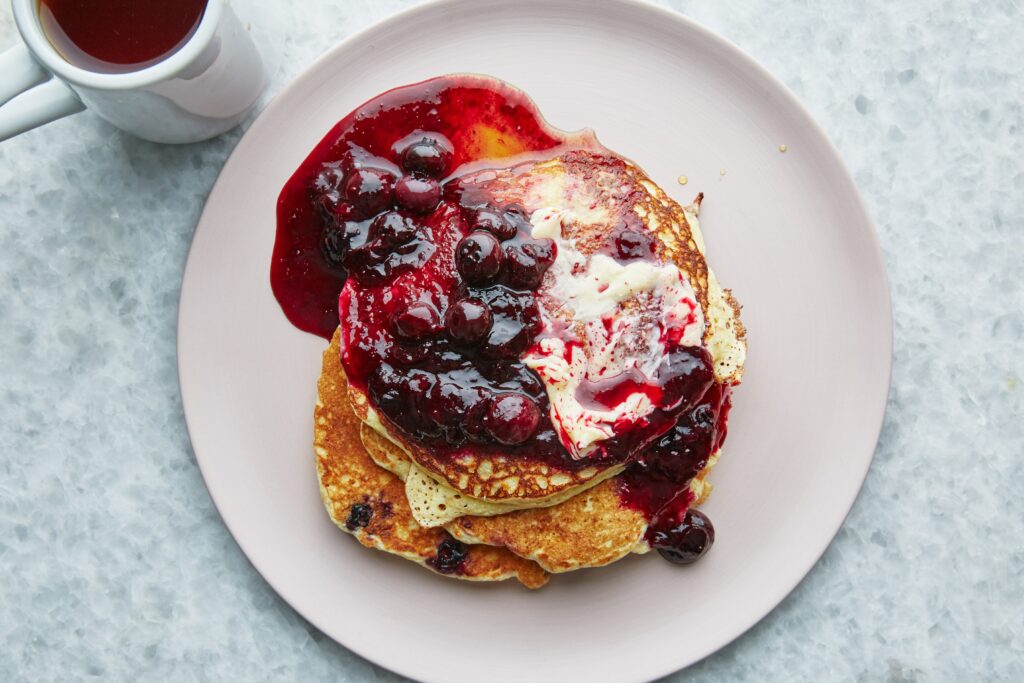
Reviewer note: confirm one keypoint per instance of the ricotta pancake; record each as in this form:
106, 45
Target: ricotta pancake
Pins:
531, 362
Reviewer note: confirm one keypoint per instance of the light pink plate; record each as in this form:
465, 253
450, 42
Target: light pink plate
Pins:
787, 232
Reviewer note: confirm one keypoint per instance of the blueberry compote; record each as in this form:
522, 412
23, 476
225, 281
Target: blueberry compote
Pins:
435, 285
408, 140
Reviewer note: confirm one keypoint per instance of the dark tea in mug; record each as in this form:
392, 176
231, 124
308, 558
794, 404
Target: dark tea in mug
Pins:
117, 36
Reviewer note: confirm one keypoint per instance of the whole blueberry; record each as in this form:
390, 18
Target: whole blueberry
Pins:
468, 321
478, 257
416, 322
512, 418
417, 195
430, 156
369, 190
686, 542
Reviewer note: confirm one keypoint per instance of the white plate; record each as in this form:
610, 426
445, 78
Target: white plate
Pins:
787, 232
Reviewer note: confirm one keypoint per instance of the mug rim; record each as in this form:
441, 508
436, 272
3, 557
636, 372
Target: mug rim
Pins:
26, 17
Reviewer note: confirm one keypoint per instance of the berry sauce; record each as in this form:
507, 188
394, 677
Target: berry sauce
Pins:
435, 284
656, 482
481, 119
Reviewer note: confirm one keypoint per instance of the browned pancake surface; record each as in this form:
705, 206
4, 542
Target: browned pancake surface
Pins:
590, 529
349, 477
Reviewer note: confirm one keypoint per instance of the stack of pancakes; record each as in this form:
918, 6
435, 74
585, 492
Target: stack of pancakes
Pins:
489, 518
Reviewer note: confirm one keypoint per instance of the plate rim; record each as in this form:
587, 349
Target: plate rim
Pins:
669, 664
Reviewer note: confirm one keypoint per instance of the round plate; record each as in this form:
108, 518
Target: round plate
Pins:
787, 232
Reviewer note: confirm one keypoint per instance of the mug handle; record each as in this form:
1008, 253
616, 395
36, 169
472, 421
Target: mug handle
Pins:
24, 103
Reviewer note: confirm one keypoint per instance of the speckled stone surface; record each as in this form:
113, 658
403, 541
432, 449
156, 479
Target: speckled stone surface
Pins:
115, 566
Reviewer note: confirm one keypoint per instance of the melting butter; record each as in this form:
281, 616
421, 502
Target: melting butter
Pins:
591, 292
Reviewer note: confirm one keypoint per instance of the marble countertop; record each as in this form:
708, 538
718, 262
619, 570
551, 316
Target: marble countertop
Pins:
116, 566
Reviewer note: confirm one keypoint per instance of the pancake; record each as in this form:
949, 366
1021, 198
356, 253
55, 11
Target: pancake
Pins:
600, 190
587, 530
534, 362
497, 480
370, 503
590, 529
432, 499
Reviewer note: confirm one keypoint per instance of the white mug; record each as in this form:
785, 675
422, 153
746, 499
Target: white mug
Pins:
203, 89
